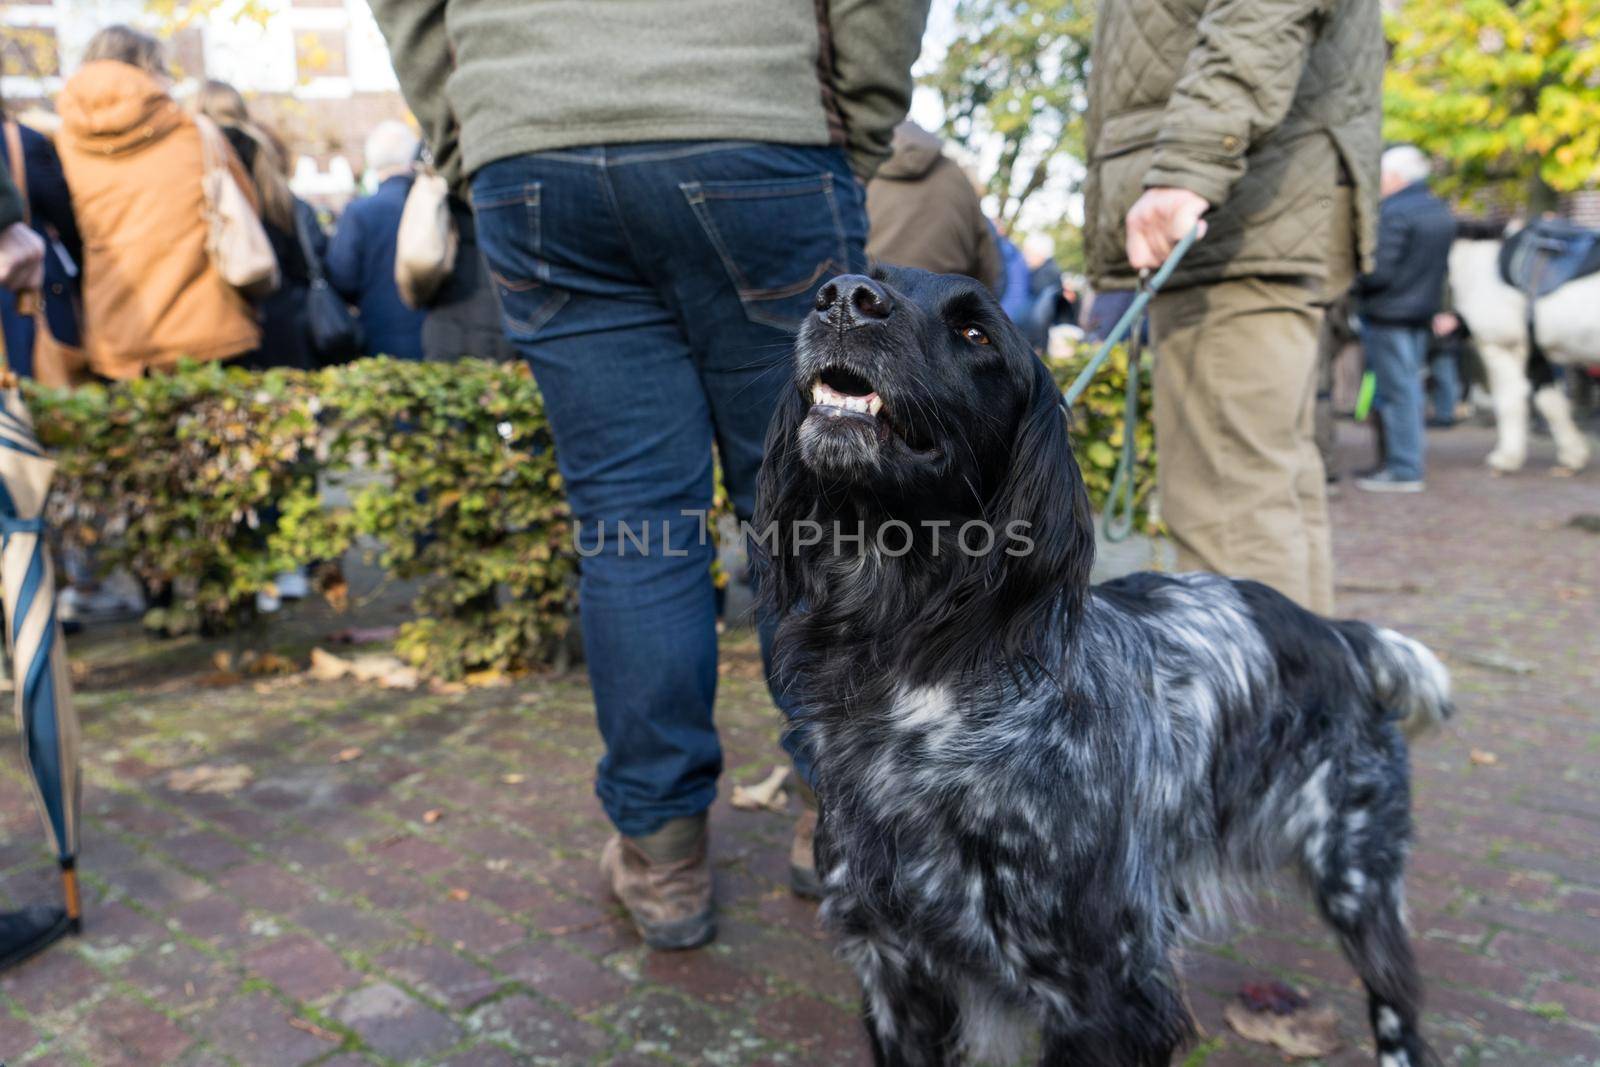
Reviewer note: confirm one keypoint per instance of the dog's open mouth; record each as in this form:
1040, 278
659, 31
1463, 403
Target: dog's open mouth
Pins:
839, 392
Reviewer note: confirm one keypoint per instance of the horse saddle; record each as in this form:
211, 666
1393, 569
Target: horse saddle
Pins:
1547, 254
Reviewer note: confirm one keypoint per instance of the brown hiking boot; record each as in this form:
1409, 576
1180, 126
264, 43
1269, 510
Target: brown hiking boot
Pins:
664, 880
803, 878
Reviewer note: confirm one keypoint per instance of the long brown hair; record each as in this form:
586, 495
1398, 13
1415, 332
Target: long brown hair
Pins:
224, 105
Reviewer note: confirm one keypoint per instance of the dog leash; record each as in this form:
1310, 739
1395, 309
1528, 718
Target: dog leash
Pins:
1117, 516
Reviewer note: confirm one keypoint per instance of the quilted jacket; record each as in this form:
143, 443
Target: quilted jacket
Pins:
1260, 106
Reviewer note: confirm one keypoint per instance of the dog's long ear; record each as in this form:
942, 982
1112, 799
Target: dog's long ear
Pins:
1043, 499
782, 500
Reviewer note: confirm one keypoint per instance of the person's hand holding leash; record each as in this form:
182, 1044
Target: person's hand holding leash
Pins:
1160, 219
21, 258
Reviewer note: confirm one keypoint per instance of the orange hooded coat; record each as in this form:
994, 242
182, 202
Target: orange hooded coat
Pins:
134, 162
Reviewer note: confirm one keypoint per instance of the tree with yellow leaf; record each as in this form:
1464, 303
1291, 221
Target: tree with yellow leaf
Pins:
1505, 92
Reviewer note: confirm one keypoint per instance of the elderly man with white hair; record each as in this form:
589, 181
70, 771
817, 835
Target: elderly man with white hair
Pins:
361, 255
1397, 302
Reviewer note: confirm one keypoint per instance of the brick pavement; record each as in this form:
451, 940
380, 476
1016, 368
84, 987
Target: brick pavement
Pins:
322, 915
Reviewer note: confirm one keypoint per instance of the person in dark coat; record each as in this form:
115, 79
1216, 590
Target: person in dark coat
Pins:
285, 336
1016, 293
1044, 273
361, 255
49, 213
1057, 306
1397, 303
464, 316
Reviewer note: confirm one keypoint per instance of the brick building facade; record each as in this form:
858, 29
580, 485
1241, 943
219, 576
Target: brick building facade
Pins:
317, 71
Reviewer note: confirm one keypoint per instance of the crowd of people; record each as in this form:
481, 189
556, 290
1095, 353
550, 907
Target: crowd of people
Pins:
646, 214
116, 190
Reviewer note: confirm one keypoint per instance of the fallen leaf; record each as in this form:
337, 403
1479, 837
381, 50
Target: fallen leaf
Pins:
320, 1032
1303, 1034
1494, 661
432, 815
446, 688
767, 794
219, 679
326, 667
459, 894
345, 755
270, 663
1276, 997
211, 778
336, 591
222, 661
497, 865
491, 679
513, 778
1483, 757
390, 672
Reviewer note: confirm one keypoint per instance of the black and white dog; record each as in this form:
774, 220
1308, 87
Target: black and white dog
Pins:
1031, 789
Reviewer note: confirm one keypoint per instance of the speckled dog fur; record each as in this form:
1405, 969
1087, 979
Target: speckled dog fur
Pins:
1031, 789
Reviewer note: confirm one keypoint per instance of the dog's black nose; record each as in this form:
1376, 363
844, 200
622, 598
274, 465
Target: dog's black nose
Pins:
853, 299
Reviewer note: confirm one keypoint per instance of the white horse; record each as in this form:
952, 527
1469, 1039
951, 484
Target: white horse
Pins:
1568, 325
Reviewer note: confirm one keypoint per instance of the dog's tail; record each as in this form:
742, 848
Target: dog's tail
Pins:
1408, 680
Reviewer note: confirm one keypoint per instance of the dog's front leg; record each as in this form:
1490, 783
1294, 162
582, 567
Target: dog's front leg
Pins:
1140, 1025
911, 1020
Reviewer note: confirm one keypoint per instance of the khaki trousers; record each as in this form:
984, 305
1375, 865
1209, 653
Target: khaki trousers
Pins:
1242, 486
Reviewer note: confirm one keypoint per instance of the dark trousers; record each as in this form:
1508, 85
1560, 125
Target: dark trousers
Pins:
655, 289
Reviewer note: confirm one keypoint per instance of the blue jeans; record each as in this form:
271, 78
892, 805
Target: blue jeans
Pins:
1395, 355
655, 290
1445, 375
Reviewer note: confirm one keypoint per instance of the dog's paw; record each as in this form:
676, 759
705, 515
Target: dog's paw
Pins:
1570, 461
1501, 462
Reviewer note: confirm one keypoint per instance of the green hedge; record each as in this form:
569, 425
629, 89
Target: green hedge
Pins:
207, 482
1097, 426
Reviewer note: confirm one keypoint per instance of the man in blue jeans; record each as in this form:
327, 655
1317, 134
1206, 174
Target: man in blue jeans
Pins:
660, 189
1398, 301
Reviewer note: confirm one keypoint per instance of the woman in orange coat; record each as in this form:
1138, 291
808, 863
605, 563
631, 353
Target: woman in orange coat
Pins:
134, 163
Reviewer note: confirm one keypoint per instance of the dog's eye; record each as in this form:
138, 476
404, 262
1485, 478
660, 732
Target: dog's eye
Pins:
975, 335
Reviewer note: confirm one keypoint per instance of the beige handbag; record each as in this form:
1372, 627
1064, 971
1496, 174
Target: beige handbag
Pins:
425, 248
235, 238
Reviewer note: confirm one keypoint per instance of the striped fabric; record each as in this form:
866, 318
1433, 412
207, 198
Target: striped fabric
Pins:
45, 713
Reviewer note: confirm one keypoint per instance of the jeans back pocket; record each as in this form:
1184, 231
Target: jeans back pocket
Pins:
778, 240
510, 233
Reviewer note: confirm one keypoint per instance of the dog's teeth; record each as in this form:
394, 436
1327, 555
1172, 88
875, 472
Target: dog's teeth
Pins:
874, 405
818, 392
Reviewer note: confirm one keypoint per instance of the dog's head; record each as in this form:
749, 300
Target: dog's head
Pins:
916, 401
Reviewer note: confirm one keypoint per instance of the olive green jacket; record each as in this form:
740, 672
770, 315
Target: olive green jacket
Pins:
488, 79
1260, 106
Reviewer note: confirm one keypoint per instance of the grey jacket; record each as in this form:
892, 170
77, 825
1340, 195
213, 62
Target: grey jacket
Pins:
1260, 106
488, 79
